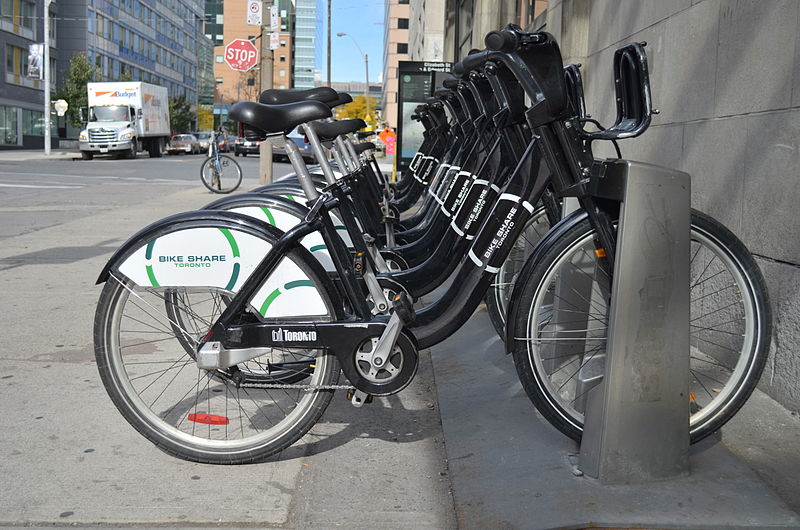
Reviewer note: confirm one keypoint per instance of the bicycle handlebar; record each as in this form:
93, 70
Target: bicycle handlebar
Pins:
511, 38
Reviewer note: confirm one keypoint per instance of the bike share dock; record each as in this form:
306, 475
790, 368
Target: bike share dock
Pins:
510, 468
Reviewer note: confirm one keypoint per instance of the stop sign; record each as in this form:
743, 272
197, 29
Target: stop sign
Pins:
241, 54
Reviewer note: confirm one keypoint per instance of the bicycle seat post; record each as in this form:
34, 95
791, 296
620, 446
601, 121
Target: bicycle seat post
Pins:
319, 153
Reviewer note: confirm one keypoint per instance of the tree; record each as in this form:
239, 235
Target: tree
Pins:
358, 109
180, 114
205, 117
74, 91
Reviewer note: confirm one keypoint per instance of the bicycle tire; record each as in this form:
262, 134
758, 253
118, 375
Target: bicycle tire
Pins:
227, 180
538, 364
132, 338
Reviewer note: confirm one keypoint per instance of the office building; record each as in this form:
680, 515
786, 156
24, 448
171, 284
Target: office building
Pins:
22, 98
308, 41
395, 49
143, 40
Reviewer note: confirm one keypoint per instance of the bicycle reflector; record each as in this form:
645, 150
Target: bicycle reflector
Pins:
208, 419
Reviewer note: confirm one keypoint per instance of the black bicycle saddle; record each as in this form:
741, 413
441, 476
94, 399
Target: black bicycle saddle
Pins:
273, 119
274, 96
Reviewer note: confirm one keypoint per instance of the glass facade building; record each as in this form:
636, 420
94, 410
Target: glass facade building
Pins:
308, 39
21, 97
153, 41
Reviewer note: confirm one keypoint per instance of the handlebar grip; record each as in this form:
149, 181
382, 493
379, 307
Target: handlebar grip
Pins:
501, 41
475, 61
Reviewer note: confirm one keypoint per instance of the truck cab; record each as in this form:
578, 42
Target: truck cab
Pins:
111, 129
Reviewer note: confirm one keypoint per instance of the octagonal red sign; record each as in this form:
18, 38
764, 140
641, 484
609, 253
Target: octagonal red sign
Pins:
241, 54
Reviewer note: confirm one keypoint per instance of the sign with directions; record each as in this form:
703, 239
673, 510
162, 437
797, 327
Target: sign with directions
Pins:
274, 24
254, 10
241, 54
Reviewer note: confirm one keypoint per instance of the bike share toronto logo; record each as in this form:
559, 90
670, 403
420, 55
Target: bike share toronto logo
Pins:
193, 260
284, 335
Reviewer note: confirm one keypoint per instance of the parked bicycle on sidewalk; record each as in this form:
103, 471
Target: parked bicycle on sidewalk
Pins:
220, 173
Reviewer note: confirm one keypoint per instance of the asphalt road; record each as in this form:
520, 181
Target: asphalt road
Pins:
60, 190
69, 458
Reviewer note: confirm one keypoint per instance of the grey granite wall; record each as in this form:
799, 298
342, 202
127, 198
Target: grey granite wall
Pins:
725, 75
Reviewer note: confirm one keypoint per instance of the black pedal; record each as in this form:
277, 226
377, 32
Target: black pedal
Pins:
404, 308
358, 263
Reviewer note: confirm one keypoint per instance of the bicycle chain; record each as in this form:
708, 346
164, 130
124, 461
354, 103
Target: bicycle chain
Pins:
296, 387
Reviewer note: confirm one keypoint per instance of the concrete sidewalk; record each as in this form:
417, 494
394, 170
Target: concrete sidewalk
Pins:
511, 469
25, 155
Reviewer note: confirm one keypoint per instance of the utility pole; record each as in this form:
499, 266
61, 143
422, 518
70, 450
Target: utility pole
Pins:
265, 151
46, 70
366, 86
329, 43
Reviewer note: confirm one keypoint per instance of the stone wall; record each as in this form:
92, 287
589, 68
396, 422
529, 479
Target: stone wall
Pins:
725, 75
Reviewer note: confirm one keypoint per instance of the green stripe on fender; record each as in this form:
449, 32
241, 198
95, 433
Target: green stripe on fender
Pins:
149, 252
270, 219
234, 277
271, 298
298, 283
231, 240
151, 275
317, 247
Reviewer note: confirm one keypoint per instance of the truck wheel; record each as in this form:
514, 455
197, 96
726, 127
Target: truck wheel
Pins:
85, 155
154, 148
131, 153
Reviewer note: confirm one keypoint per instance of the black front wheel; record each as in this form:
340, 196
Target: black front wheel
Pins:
559, 326
221, 174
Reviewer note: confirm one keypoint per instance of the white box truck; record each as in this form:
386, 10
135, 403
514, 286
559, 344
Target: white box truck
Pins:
125, 118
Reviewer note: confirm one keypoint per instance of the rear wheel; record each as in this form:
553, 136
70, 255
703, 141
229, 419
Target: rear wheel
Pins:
145, 339
86, 155
560, 327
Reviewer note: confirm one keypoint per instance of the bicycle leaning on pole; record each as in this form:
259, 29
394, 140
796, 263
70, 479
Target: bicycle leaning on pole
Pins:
220, 173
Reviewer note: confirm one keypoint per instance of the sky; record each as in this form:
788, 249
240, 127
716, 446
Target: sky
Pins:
363, 20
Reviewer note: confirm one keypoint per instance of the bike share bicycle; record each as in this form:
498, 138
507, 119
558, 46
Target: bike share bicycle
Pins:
219, 173
253, 377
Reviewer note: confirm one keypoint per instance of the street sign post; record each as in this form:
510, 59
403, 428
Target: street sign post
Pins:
274, 24
254, 12
241, 54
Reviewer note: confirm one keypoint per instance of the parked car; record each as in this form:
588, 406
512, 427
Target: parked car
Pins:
223, 142
278, 151
204, 139
183, 143
244, 147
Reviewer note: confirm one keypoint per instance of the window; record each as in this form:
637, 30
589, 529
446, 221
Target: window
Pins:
8, 125
281, 72
32, 122
219, 59
402, 2
283, 58
402, 47
218, 81
28, 15
402, 23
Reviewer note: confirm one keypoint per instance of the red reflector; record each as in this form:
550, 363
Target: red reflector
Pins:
209, 419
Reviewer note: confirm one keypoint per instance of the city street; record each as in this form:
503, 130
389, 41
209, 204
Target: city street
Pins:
70, 458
